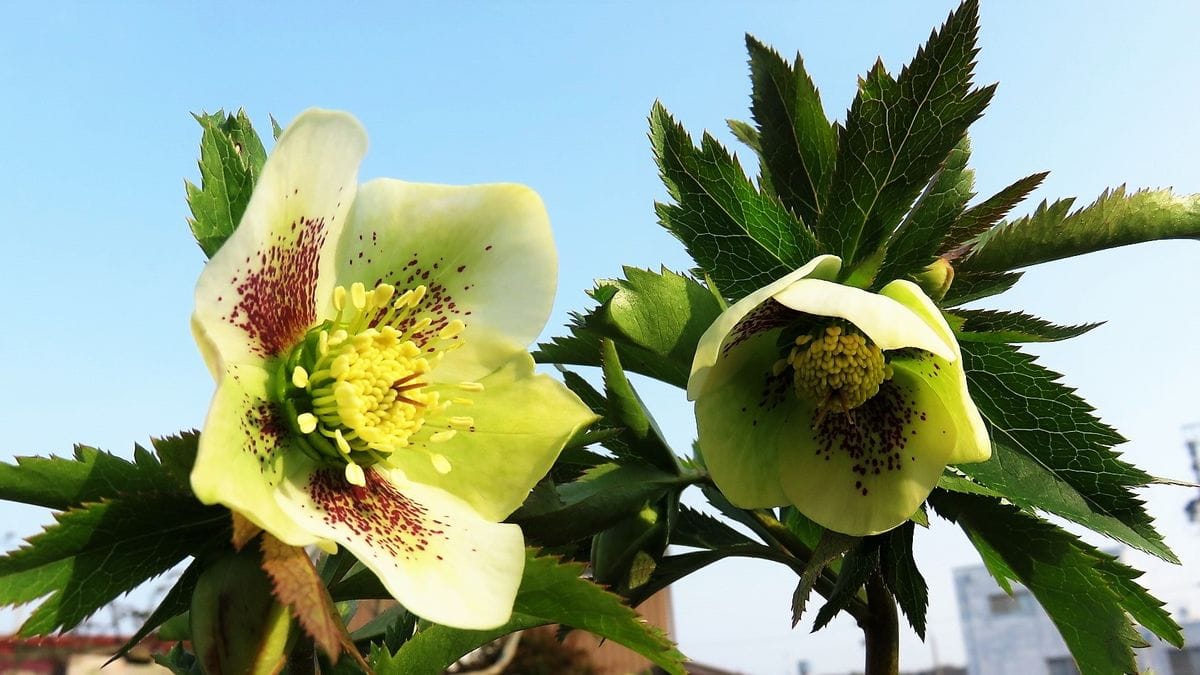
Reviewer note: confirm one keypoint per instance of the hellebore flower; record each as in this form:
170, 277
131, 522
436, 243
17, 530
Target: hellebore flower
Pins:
845, 403
374, 388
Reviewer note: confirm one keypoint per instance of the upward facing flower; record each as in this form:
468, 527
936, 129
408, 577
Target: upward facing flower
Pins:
373, 385
845, 403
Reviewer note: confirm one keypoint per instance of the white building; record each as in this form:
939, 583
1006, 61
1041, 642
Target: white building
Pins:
1012, 635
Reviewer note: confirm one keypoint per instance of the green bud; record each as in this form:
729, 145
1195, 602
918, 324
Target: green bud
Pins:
935, 279
237, 625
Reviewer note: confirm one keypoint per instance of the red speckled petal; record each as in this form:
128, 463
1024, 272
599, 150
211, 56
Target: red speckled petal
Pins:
432, 552
256, 296
484, 252
243, 451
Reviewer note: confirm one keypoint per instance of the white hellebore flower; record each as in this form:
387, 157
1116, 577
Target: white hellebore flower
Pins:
845, 403
373, 385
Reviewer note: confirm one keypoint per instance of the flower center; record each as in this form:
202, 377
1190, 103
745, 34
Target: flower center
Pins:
837, 368
356, 388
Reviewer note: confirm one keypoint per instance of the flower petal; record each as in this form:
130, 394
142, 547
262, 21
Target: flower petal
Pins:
743, 422
948, 379
255, 297
242, 452
729, 327
888, 323
432, 552
869, 475
484, 252
504, 443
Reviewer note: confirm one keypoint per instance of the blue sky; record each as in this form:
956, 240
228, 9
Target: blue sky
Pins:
100, 266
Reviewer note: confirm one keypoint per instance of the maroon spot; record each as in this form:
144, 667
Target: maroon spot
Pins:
378, 513
766, 316
275, 304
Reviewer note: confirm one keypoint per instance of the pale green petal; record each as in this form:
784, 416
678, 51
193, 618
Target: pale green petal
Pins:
889, 324
743, 422
708, 350
868, 476
243, 451
257, 295
517, 426
948, 379
208, 351
432, 552
484, 252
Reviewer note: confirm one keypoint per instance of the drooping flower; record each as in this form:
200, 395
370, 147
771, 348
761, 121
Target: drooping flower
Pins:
845, 403
374, 389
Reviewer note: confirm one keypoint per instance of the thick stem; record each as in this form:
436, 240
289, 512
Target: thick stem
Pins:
881, 629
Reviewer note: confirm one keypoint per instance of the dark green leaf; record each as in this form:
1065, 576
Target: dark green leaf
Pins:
981, 325
551, 592
616, 552
916, 240
582, 348
742, 238
747, 134
979, 218
898, 132
598, 500
101, 550
973, 286
798, 144
663, 312
1073, 581
179, 661
231, 159
1114, 219
175, 602
643, 440
903, 577
675, 567
858, 564
831, 547
1051, 452
700, 530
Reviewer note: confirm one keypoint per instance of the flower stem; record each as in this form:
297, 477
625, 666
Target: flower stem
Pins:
881, 629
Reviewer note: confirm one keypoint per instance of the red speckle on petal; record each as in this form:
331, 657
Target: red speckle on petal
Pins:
378, 513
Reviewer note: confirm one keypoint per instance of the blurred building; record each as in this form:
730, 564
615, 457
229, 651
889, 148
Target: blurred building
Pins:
1012, 635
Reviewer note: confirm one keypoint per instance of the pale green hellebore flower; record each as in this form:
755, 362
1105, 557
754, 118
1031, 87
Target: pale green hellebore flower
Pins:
845, 403
374, 388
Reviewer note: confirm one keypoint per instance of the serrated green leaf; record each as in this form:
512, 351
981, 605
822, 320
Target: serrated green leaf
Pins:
797, 144
968, 287
643, 440
175, 602
1050, 451
96, 552
617, 550
903, 577
898, 131
748, 135
551, 592
231, 159
700, 530
1071, 580
915, 243
741, 237
582, 348
981, 325
831, 547
663, 312
858, 564
1114, 219
979, 218
598, 500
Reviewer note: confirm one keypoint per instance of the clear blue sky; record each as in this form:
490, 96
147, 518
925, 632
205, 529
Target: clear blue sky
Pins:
99, 266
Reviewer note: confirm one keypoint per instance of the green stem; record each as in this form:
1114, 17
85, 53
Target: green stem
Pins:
881, 629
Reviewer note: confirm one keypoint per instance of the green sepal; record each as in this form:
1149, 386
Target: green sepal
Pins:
231, 159
1116, 218
551, 592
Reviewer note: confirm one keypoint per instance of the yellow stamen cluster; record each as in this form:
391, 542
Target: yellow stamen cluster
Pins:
366, 380
837, 369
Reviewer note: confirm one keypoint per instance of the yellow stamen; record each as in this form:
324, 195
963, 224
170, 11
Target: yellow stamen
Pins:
838, 370
300, 377
355, 475
440, 463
